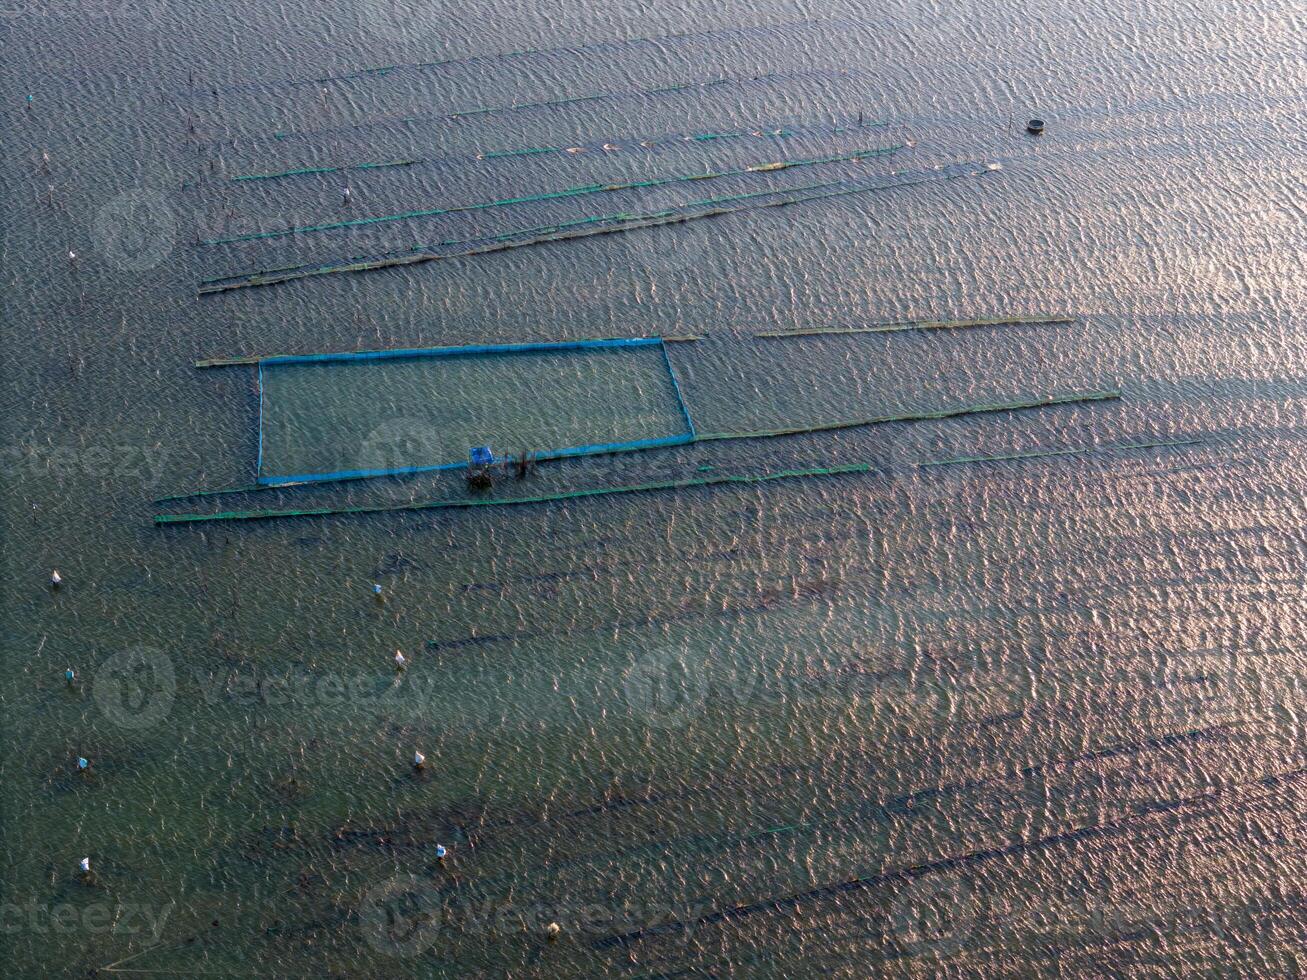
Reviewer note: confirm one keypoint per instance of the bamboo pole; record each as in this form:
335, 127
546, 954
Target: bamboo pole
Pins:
583, 190
1076, 451
944, 413
560, 233
918, 325
254, 515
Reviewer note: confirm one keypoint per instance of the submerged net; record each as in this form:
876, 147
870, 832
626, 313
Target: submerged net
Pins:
336, 416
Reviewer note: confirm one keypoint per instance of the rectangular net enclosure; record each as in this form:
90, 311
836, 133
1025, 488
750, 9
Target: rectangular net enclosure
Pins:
378, 413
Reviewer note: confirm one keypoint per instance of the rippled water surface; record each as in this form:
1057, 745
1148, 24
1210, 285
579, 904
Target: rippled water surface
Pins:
1028, 717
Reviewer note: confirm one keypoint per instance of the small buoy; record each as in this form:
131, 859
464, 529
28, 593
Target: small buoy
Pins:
418, 760
376, 589
440, 852
82, 763
553, 931
70, 675
55, 578
1035, 126
85, 865
400, 661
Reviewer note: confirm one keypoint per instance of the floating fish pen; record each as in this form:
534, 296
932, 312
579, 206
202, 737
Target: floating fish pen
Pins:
580, 228
910, 325
581, 191
327, 417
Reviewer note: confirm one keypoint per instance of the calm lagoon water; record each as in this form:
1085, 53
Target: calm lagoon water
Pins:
1038, 717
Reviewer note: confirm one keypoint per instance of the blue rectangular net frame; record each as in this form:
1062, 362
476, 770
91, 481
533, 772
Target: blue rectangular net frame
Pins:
332, 428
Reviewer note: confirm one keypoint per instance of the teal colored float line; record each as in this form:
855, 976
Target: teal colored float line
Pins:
620, 223
680, 397
1075, 451
254, 515
767, 131
267, 277
583, 190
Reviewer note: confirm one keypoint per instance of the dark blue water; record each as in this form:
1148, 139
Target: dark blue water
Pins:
1038, 717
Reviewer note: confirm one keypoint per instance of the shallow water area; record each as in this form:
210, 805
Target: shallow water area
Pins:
1037, 716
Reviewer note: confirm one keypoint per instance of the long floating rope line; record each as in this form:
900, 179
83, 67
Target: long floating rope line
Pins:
1075, 451
618, 217
760, 131
908, 325
702, 437
1047, 402
255, 515
581, 191
564, 232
